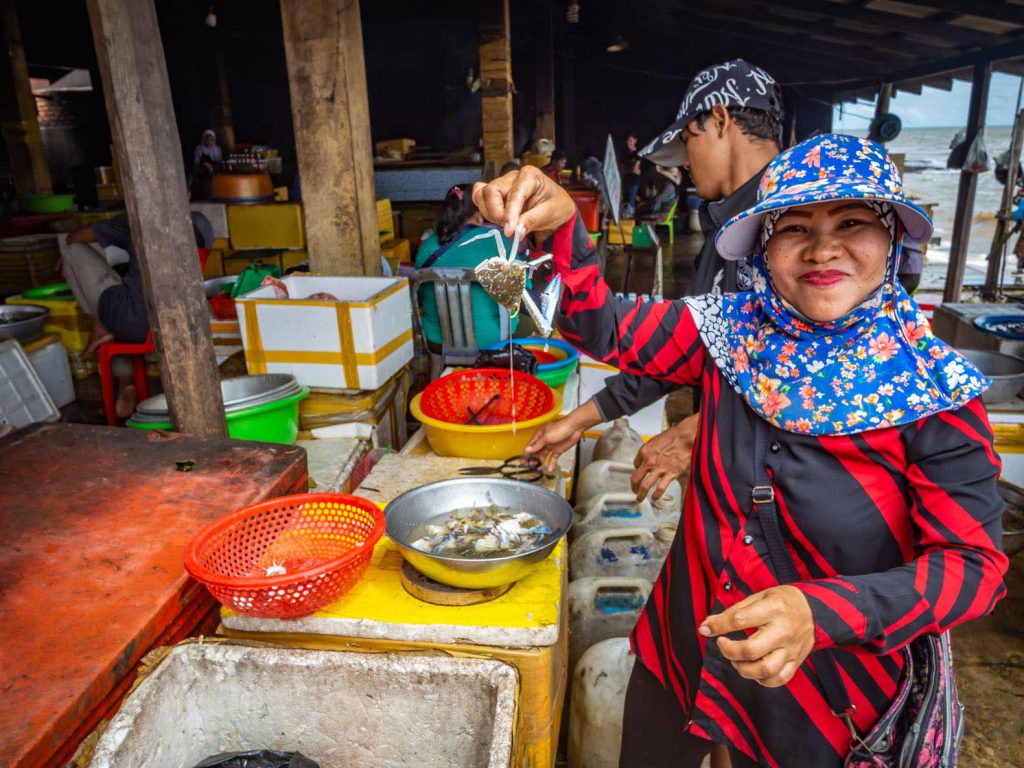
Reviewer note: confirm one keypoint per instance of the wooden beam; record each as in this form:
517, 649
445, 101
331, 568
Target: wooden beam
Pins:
890, 21
987, 9
496, 84
138, 96
323, 44
964, 213
223, 118
1010, 50
18, 120
544, 67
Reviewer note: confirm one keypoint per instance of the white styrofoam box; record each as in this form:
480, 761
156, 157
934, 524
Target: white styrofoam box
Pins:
649, 421
23, 398
357, 342
358, 710
51, 364
217, 213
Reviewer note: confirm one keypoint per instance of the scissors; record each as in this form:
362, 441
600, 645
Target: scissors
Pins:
525, 468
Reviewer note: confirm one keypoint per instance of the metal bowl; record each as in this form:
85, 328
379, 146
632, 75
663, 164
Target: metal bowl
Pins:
23, 322
237, 394
1006, 373
415, 507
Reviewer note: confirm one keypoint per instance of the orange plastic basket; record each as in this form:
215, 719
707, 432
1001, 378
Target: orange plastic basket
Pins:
287, 557
484, 397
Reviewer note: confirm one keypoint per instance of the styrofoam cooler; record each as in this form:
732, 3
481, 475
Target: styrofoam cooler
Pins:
50, 361
357, 342
339, 709
216, 213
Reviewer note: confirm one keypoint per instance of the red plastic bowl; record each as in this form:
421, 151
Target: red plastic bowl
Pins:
484, 396
322, 541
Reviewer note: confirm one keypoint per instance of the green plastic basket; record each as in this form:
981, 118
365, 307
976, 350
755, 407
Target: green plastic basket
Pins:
276, 422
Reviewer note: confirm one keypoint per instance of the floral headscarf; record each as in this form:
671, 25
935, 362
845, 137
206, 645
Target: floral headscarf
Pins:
876, 366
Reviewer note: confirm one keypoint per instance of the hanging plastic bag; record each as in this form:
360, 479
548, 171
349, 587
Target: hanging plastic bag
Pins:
977, 160
258, 758
958, 147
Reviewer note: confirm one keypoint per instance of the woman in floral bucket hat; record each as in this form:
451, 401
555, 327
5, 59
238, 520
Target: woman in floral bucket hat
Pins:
842, 511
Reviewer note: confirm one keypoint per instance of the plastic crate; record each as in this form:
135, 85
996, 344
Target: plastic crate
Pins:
266, 225
66, 320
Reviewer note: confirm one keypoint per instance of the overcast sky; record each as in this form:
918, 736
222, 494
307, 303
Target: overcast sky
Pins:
938, 108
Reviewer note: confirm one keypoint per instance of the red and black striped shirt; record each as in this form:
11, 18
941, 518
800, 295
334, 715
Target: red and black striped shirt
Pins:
895, 532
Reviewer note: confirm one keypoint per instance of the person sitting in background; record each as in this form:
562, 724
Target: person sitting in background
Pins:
665, 193
115, 305
591, 168
629, 171
553, 169
458, 223
207, 155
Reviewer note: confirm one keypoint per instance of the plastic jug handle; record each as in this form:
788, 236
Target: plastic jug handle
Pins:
621, 466
616, 497
622, 533
623, 583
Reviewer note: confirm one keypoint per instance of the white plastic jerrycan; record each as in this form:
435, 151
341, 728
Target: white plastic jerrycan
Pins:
601, 607
620, 443
630, 552
619, 509
598, 699
600, 477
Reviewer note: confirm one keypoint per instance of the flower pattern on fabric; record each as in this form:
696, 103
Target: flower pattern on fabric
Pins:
877, 366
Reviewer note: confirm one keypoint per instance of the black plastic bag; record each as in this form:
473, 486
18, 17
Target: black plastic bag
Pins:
258, 758
522, 360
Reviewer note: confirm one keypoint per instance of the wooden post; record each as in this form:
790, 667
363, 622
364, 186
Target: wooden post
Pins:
18, 120
223, 120
993, 273
964, 213
567, 81
323, 44
496, 85
544, 64
884, 96
138, 96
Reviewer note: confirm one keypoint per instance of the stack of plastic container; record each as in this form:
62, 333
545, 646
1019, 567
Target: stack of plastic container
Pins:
620, 544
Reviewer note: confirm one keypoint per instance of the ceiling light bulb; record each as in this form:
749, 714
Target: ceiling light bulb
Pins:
617, 45
211, 18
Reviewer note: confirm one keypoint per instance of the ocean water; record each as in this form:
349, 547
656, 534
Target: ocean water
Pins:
927, 180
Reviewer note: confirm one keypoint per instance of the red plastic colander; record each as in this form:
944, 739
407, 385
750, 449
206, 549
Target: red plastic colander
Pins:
484, 396
287, 557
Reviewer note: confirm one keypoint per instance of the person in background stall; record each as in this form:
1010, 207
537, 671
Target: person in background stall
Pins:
727, 130
459, 222
554, 168
116, 306
629, 172
664, 191
591, 169
206, 160
844, 499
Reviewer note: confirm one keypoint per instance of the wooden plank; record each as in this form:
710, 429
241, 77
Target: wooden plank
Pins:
888, 20
988, 9
964, 213
18, 120
993, 273
323, 43
138, 96
496, 84
544, 69
96, 520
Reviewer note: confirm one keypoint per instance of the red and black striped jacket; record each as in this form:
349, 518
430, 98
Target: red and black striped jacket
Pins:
895, 532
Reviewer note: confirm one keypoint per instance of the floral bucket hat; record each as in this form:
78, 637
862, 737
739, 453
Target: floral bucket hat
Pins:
824, 169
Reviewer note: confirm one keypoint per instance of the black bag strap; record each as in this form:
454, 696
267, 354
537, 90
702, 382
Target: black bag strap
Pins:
782, 563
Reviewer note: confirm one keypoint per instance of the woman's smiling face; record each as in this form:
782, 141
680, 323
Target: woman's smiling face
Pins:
827, 258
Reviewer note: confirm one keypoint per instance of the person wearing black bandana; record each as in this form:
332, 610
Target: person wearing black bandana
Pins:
727, 130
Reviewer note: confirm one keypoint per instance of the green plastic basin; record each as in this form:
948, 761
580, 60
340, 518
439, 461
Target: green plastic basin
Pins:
46, 203
276, 422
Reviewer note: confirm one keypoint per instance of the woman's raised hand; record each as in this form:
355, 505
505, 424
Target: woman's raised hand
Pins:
783, 638
526, 198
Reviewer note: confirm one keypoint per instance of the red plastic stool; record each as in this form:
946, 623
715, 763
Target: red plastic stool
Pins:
137, 352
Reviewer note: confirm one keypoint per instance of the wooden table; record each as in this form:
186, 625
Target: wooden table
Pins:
95, 521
